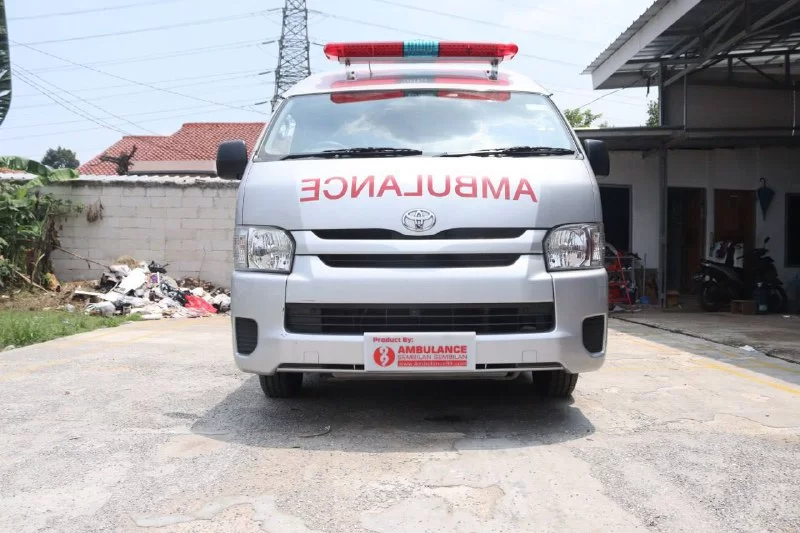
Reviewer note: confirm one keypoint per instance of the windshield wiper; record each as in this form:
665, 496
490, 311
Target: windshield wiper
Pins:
514, 151
369, 151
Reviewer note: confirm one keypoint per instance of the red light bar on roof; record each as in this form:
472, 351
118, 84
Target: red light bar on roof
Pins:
397, 51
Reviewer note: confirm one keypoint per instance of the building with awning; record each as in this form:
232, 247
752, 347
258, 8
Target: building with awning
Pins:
727, 74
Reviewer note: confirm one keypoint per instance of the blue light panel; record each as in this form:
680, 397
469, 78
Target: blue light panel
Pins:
421, 48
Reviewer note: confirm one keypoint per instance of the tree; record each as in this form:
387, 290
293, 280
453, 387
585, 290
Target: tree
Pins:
29, 220
60, 158
653, 114
582, 119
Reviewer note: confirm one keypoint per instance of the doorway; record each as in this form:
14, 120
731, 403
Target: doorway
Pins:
735, 217
616, 204
685, 229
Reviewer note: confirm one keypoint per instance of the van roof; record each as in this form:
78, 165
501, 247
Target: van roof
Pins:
415, 76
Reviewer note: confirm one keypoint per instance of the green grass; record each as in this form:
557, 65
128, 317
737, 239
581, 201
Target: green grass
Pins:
21, 328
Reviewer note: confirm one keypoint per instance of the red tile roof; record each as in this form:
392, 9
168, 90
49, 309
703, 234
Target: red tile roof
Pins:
194, 141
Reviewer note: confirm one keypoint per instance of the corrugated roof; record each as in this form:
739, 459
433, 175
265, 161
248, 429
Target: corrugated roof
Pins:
194, 141
625, 36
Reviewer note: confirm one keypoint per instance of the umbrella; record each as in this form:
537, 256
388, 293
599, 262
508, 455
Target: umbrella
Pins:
765, 196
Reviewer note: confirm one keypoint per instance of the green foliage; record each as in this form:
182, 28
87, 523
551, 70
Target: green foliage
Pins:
60, 158
653, 115
5, 65
582, 119
28, 229
21, 328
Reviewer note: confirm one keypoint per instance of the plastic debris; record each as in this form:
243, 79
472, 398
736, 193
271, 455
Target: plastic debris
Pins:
222, 302
132, 281
101, 309
747, 348
145, 289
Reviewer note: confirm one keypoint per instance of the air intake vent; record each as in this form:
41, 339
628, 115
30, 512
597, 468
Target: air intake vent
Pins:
246, 335
594, 329
419, 260
387, 234
356, 319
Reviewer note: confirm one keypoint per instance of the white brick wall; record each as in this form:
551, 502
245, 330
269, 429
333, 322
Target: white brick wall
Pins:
186, 222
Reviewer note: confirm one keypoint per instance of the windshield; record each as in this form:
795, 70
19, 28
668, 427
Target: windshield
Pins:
434, 122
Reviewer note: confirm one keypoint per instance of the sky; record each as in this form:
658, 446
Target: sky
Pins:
144, 67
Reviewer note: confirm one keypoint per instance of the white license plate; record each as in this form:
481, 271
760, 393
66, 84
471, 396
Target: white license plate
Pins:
419, 352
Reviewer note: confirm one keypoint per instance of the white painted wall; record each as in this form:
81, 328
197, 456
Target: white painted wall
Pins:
729, 107
710, 170
630, 168
186, 222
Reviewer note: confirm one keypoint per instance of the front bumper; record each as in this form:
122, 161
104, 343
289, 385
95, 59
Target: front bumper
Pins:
578, 296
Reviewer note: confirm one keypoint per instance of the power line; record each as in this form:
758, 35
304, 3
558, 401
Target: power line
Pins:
609, 94
484, 22
214, 20
95, 10
61, 102
237, 74
159, 119
153, 57
146, 113
121, 78
429, 36
135, 93
100, 122
86, 115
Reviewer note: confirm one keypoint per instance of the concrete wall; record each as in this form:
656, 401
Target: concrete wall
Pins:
729, 107
710, 170
186, 222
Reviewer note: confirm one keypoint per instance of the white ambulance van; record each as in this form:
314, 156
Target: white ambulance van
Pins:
421, 212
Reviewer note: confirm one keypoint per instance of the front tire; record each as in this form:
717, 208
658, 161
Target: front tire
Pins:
285, 385
554, 383
711, 297
778, 300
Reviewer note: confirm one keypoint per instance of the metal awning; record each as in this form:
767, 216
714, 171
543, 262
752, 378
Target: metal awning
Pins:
755, 42
647, 139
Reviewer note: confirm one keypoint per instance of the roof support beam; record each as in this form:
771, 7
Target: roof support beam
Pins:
732, 41
659, 23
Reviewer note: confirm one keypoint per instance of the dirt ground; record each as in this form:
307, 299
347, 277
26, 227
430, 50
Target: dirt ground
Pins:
151, 427
32, 299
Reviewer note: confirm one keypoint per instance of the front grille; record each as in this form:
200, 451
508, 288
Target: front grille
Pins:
419, 260
246, 335
375, 234
357, 319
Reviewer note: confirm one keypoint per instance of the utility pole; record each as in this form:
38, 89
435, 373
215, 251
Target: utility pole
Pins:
293, 61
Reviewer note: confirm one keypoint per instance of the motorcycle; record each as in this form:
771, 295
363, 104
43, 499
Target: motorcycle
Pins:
721, 282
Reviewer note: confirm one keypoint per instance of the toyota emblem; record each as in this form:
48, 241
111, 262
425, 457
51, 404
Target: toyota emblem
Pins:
419, 220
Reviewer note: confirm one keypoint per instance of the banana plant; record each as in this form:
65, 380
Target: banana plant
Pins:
28, 232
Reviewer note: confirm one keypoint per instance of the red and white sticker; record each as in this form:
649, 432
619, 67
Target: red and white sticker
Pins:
419, 352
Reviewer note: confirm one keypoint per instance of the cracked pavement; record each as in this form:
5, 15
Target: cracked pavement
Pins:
150, 427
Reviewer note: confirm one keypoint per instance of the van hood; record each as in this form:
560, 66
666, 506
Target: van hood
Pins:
377, 193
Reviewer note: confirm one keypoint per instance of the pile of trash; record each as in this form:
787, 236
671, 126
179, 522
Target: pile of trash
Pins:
146, 289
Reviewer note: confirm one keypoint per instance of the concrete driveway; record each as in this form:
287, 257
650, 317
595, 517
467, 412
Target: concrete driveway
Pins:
151, 427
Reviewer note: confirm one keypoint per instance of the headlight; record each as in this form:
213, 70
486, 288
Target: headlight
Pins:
575, 246
264, 249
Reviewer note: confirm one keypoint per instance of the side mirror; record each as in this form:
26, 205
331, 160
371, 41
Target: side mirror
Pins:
231, 160
597, 153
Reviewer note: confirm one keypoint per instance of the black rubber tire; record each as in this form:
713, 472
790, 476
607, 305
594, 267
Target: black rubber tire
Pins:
707, 300
285, 385
554, 383
778, 301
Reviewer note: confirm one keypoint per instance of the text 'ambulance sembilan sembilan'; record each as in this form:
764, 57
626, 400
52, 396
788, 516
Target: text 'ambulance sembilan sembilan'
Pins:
420, 213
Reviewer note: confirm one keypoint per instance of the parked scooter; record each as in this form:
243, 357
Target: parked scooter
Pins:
721, 282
